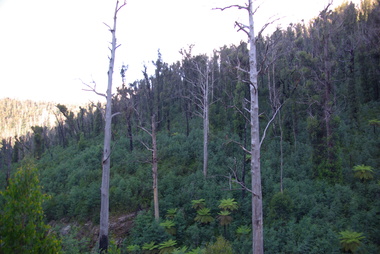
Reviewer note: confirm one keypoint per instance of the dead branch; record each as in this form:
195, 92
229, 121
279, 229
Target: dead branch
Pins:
241, 112
146, 146
241, 69
270, 121
92, 88
115, 114
267, 24
231, 6
242, 27
146, 130
241, 183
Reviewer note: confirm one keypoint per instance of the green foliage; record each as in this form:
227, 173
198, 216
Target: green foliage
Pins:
181, 250
82, 142
281, 206
350, 240
228, 204
198, 204
22, 225
196, 251
374, 122
167, 246
243, 231
363, 172
311, 148
72, 242
204, 216
133, 248
113, 249
169, 226
147, 230
171, 213
224, 218
221, 246
150, 248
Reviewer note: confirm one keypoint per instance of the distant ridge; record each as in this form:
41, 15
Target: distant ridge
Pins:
18, 116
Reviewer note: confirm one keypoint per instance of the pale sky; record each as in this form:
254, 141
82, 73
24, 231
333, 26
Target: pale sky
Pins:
48, 46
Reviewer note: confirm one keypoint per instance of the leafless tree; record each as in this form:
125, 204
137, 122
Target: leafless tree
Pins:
201, 84
106, 160
152, 132
256, 189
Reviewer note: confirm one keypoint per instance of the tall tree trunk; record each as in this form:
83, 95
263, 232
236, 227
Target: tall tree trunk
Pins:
106, 162
206, 122
155, 168
257, 210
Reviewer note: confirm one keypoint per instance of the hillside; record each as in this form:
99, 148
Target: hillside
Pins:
319, 117
18, 116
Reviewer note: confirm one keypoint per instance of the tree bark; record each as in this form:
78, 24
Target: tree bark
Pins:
206, 121
155, 169
106, 162
257, 213
257, 203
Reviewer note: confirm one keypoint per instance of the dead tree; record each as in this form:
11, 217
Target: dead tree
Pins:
256, 189
106, 160
201, 80
152, 108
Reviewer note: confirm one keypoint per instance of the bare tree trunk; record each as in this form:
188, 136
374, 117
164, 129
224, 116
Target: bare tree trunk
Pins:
206, 122
257, 206
257, 202
155, 169
153, 108
106, 162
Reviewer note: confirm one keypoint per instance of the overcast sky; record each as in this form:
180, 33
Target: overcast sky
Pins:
48, 47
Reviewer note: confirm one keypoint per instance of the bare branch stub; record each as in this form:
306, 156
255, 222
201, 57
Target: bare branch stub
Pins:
109, 28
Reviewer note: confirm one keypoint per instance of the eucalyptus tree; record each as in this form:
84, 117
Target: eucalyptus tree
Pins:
198, 72
106, 160
146, 108
254, 151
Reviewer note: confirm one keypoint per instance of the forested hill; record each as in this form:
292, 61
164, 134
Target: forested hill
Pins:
18, 116
319, 103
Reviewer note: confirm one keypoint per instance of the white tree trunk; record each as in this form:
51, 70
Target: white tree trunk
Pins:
106, 162
257, 205
206, 121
